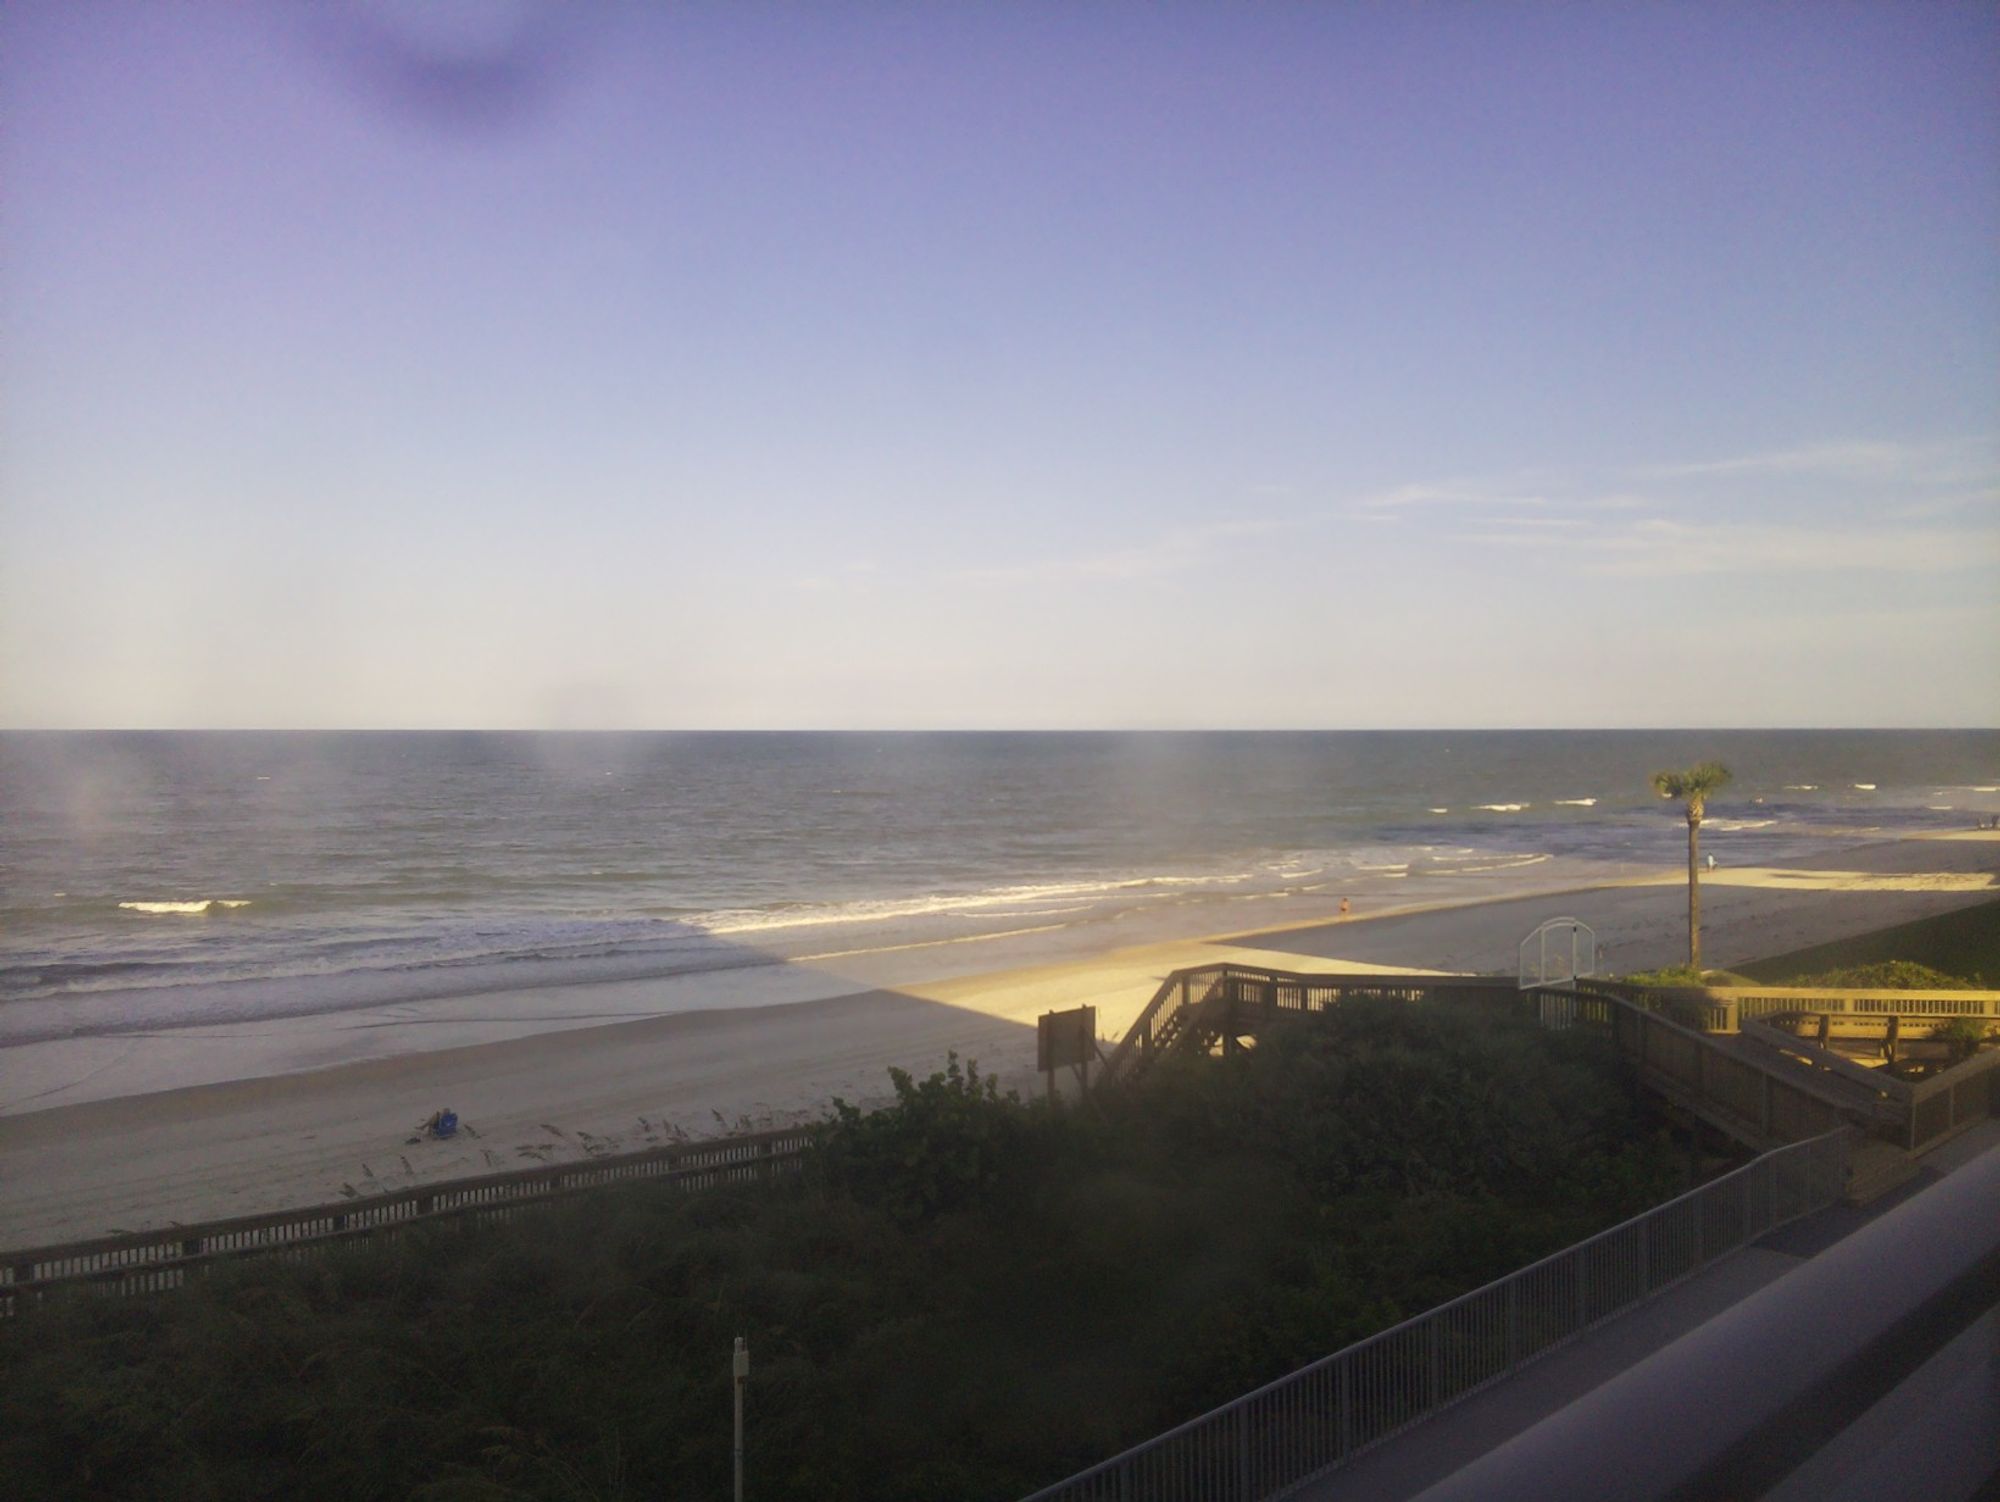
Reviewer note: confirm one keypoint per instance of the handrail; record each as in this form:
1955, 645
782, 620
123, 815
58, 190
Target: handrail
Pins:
1163, 1020
1794, 1049
1287, 1432
1927, 1111
1757, 1001
146, 1261
1752, 1393
1186, 993
1721, 1009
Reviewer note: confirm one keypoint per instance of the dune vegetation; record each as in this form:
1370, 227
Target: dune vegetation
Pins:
962, 1295
1955, 949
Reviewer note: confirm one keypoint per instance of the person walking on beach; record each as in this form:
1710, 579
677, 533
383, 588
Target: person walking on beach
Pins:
1711, 861
1343, 907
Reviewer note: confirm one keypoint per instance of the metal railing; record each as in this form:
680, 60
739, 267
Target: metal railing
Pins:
150, 1261
1284, 1434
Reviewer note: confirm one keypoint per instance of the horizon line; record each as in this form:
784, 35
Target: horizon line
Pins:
974, 729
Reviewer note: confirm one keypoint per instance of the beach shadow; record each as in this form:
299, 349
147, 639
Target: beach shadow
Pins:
1740, 923
129, 1128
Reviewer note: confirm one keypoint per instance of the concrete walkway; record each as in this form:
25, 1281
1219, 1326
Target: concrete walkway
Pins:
1418, 1458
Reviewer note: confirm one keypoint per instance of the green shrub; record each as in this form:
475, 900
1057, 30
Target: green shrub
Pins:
962, 1296
1963, 1035
1687, 975
942, 1145
1886, 975
1961, 943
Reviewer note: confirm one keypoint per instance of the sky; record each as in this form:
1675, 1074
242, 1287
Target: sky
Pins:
999, 366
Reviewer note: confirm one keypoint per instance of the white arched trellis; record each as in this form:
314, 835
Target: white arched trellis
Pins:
1562, 949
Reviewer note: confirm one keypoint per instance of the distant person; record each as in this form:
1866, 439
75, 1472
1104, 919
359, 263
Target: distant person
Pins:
1344, 909
1711, 863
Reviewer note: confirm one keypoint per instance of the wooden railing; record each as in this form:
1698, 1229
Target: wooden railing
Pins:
1721, 1009
1762, 1102
1684, 1041
1193, 1007
153, 1260
1270, 1441
1669, 1035
1183, 997
1788, 1089
1254, 995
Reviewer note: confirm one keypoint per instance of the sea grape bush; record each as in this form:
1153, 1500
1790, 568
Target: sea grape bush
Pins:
963, 1296
939, 1147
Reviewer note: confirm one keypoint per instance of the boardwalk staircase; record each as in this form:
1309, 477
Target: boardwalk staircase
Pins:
1217, 1008
1822, 1133
1735, 1061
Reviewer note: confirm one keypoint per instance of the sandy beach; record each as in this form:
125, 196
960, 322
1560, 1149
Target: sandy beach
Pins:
137, 1131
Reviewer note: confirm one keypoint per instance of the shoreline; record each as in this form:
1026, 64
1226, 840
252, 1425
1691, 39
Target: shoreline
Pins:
251, 1138
64, 1061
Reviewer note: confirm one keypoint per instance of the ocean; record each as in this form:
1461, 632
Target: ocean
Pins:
152, 880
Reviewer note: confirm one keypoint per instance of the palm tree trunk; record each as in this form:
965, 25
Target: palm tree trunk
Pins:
1694, 891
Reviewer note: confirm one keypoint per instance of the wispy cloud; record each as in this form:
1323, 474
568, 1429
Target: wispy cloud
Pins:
1944, 505
1548, 493
1170, 552
1655, 547
1456, 493
1938, 461
1824, 458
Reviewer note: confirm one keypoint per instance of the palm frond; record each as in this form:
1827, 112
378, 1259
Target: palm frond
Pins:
1696, 783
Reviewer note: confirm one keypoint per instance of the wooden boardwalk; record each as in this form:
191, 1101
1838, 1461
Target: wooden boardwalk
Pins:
1720, 1057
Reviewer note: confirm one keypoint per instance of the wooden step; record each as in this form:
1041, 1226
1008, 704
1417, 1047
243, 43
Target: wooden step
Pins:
1874, 1168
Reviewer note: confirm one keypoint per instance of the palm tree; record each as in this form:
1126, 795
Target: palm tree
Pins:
1692, 787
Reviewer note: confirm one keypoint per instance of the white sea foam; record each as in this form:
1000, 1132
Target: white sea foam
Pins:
201, 905
1502, 808
941, 904
1508, 865
1578, 802
1726, 825
1802, 787
1440, 810
1866, 787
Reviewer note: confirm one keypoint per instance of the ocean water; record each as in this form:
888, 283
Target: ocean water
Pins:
153, 880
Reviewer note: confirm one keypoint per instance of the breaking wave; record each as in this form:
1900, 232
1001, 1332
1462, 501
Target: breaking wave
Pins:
199, 905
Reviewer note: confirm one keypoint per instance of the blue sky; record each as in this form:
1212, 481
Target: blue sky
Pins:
1029, 365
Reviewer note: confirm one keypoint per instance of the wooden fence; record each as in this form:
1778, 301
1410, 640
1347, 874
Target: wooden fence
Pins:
148, 1261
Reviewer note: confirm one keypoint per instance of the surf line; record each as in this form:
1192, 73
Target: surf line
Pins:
1010, 933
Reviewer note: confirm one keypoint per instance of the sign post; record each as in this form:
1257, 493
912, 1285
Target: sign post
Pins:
740, 1370
1066, 1040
